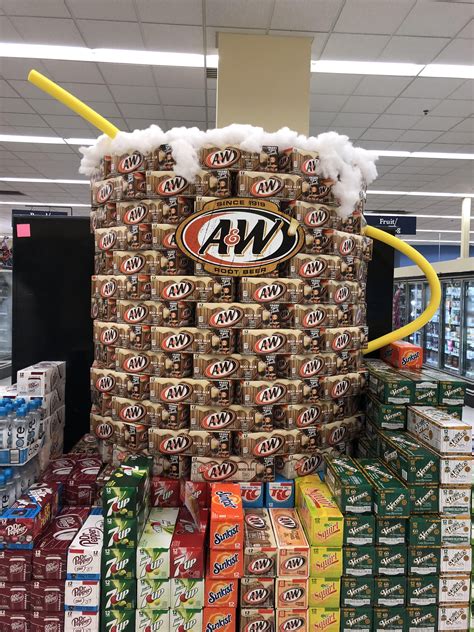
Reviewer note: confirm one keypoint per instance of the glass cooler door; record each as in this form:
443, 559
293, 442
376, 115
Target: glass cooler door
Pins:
415, 308
431, 338
468, 328
451, 306
399, 306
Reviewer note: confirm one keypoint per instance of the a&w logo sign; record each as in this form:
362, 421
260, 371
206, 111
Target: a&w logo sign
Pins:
239, 236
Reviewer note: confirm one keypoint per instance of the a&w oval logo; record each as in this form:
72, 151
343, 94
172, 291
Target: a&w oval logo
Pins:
308, 417
177, 342
176, 291
267, 187
175, 445
340, 389
308, 465
295, 562
260, 566
226, 317
313, 269
342, 294
269, 446
218, 420
341, 341
256, 596
270, 395
132, 412
314, 318
175, 393
239, 236
135, 215
309, 166
109, 336
219, 471
105, 384
259, 625
171, 186
108, 288
136, 314
136, 364
346, 246
255, 521
311, 367
293, 624
317, 217
130, 163
133, 264
107, 241
290, 595
104, 192
337, 435
223, 158
222, 368
270, 344
287, 522
270, 292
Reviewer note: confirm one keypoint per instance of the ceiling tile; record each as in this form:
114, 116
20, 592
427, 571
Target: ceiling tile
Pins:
382, 134
461, 138
412, 106
135, 123
6, 90
15, 105
183, 96
103, 10
454, 107
367, 104
395, 121
140, 95
327, 83
321, 118
88, 91
459, 51
419, 136
354, 47
212, 35
464, 126
239, 13
36, 30
432, 87
327, 102
181, 39
179, 77
466, 91
354, 120
32, 120
416, 50
8, 31
179, 123
139, 110
372, 16
311, 15
131, 76
382, 86
44, 8
467, 31
440, 123
170, 11
19, 68
108, 34
66, 70
181, 113
444, 19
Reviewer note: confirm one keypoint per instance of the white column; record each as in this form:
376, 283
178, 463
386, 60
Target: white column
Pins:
465, 227
264, 80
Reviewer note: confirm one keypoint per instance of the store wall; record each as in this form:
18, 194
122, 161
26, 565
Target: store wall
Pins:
433, 253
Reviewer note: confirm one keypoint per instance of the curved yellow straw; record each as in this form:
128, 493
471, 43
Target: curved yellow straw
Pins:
431, 276
72, 102
77, 106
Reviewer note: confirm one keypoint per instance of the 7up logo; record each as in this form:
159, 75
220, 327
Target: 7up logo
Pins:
117, 505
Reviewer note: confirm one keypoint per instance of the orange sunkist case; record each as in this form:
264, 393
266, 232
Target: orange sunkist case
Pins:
403, 355
225, 564
219, 593
227, 517
222, 619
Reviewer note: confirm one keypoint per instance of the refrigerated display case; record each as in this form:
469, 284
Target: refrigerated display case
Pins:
468, 331
5, 323
399, 307
431, 334
415, 308
452, 311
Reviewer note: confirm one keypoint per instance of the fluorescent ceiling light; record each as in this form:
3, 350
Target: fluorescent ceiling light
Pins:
421, 193
395, 154
61, 204
424, 154
80, 141
45, 180
414, 215
16, 138
433, 241
456, 71
106, 55
366, 68
432, 230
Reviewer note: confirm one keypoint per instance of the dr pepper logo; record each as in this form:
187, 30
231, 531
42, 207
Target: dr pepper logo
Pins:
239, 237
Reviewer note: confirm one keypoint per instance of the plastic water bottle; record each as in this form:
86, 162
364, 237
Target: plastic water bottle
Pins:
20, 429
3, 493
4, 428
10, 485
17, 482
32, 423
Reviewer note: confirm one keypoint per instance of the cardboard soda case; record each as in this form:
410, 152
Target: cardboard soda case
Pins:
359, 619
224, 619
221, 592
326, 562
439, 531
82, 595
125, 493
153, 552
225, 563
118, 562
253, 494
439, 430
280, 493
15, 566
403, 355
391, 497
257, 619
390, 560
328, 619
390, 591
413, 462
324, 593
260, 550
259, 592
77, 621
321, 518
187, 593
153, 594
390, 531
120, 619
146, 619
293, 549
358, 561
187, 552
357, 591
84, 553
350, 489
359, 529
227, 517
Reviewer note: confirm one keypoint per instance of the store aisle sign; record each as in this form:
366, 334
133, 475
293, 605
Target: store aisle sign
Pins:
402, 225
38, 213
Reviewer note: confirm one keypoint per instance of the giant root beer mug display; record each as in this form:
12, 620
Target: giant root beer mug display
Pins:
229, 308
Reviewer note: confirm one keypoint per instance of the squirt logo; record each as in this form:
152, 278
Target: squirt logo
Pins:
239, 237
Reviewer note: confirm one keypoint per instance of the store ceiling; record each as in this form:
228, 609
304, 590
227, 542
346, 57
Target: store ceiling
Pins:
376, 112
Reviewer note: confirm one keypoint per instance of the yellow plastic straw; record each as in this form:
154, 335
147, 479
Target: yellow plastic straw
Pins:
77, 106
431, 277
73, 103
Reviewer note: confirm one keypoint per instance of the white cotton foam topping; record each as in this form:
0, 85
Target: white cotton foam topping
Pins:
353, 167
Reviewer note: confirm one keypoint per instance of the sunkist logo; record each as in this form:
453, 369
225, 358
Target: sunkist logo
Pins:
239, 236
